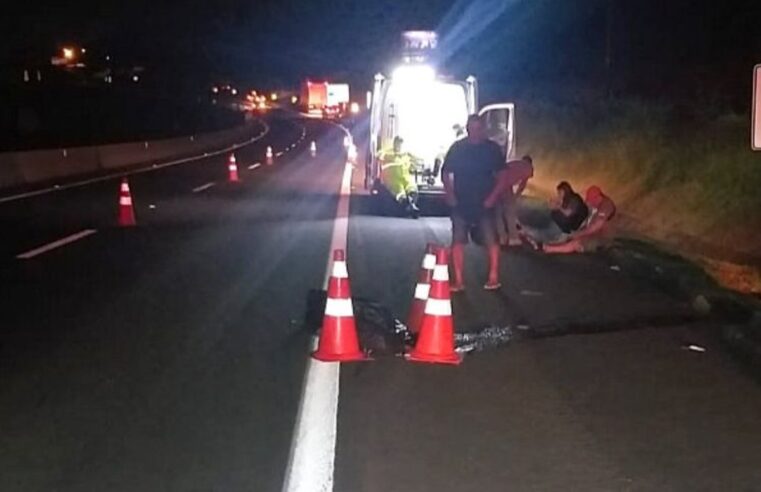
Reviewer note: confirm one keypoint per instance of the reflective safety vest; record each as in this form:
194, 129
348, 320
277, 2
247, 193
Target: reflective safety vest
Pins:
396, 173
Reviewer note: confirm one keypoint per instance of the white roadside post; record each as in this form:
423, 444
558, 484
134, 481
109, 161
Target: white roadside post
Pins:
756, 110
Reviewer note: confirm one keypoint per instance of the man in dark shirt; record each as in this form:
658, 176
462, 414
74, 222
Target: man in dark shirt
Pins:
473, 176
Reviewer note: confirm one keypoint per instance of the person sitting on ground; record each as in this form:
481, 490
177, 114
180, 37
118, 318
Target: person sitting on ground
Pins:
596, 232
568, 213
568, 210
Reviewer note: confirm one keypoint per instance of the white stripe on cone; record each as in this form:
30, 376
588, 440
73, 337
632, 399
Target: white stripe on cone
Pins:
438, 307
422, 291
339, 270
441, 273
125, 200
125, 188
339, 308
429, 262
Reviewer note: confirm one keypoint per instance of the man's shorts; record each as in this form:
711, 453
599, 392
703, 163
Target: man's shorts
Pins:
483, 231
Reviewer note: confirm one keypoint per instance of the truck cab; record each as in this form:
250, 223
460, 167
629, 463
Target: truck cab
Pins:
429, 112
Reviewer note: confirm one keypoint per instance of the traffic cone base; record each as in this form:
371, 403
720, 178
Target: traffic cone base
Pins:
453, 359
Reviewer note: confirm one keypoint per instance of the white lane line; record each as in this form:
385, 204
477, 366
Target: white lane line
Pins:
150, 168
255, 165
278, 154
313, 449
531, 293
203, 187
56, 244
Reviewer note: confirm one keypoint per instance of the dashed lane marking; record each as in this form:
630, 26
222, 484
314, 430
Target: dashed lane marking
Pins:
56, 244
255, 165
203, 187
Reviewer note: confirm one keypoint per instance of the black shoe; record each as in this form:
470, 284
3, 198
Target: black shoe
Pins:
412, 208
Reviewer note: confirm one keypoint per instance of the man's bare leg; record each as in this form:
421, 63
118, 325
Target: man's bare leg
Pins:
493, 279
458, 260
572, 246
511, 220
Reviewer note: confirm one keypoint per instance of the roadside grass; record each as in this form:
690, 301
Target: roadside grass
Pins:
674, 172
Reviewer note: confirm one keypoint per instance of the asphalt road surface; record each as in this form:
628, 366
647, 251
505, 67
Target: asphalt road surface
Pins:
172, 356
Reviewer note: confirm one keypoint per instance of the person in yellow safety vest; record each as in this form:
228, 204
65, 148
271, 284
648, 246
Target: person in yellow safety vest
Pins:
397, 176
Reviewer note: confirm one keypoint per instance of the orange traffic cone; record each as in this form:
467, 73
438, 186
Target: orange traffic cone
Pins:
435, 342
313, 148
422, 289
269, 156
126, 212
338, 335
232, 169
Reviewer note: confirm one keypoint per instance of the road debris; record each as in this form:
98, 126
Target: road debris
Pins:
694, 348
701, 305
382, 334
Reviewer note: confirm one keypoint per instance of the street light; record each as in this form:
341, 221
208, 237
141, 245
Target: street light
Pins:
68, 53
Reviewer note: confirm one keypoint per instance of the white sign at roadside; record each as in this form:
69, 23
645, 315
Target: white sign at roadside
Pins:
756, 110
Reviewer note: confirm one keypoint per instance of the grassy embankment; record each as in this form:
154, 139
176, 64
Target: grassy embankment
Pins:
688, 181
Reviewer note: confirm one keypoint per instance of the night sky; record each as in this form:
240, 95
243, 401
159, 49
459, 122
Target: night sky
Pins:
521, 41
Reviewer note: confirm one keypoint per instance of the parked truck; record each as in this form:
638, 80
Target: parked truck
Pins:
338, 100
314, 97
325, 99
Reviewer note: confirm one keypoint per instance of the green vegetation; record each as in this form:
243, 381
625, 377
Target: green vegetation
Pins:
672, 170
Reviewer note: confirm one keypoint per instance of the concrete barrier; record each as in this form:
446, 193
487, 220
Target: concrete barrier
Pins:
19, 169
